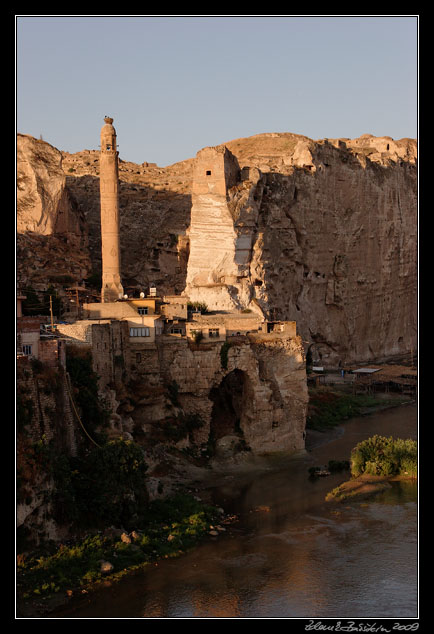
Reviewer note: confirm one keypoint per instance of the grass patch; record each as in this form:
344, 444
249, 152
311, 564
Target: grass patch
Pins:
328, 408
171, 526
361, 487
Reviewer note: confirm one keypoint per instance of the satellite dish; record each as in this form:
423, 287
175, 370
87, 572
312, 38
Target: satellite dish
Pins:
125, 296
142, 294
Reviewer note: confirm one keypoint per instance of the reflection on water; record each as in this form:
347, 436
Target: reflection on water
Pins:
293, 555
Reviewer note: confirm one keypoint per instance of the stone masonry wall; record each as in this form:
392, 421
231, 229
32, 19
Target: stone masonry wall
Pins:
273, 370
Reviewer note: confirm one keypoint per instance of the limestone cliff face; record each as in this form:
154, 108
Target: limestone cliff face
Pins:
51, 233
329, 230
42, 199
320, 232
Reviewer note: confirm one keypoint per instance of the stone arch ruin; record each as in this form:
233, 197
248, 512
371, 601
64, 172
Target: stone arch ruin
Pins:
231, 404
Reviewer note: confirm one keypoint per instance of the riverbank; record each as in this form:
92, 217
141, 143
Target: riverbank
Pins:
363, 487
129, 560
285, 536
330, 406
51, 577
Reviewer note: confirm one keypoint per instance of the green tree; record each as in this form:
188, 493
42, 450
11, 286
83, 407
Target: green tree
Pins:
110, 484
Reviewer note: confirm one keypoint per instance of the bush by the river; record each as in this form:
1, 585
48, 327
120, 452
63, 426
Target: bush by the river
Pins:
381, 456
168, 528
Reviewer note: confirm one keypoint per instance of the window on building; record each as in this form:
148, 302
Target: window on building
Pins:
213, 332
138, 357
27, 349
208, 172
176, 331
139, 332
108, 147
143, 310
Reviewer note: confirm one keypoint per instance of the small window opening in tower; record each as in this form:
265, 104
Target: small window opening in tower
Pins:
109, 147
208, 172
387, 147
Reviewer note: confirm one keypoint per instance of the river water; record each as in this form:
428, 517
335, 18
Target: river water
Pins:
290, 554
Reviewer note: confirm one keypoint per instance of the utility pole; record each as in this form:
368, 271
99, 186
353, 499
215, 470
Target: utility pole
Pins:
51, 313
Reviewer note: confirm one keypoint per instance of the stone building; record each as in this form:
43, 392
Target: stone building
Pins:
35, 342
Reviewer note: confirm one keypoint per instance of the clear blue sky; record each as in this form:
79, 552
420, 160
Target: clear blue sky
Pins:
175, 84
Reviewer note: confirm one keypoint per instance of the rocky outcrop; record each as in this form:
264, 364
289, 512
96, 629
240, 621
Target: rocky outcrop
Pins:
178, 390
320, 232
329, 231
44, 205
44, 416
51, 232
154, 206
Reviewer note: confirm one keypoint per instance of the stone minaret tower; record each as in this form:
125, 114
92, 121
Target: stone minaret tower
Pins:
109, 192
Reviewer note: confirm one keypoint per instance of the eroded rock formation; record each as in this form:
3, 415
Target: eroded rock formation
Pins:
323, 234
51, 231
320, 232
176, 382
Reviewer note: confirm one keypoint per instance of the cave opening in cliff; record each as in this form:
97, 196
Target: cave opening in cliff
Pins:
229, 402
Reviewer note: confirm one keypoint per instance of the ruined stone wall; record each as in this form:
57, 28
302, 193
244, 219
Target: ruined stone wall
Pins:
211, 263
275, 394
51, 415
52, 352
273, 370
111, 352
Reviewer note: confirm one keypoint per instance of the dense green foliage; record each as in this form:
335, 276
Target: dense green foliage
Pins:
328, 409
224, 352
108, 485
197, 307
85, 383
383, 456
169, 527
103, 486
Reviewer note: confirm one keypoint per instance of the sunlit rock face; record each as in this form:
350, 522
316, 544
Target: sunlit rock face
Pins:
51, 229
213, 268
259, 395
43, 203
320, 232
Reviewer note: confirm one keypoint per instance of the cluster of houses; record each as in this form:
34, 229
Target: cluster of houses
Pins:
150, 318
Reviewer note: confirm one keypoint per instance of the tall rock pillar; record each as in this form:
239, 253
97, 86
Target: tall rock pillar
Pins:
222, 232
109, 195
